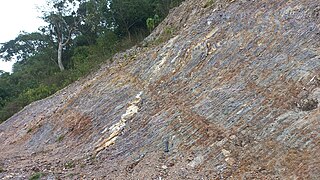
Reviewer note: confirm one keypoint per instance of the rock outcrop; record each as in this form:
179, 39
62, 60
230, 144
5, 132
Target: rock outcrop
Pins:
220, 90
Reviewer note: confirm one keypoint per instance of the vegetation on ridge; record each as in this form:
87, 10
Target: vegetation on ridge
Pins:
80, 35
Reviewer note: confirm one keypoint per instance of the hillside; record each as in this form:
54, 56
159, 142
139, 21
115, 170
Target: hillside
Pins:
220, 90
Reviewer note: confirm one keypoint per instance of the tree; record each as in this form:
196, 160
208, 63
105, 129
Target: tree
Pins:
23, 46
130, 15
92, 22
162, 7
62, 27
4, 87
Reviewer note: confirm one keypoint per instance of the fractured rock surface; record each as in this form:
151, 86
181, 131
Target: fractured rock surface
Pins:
228, 90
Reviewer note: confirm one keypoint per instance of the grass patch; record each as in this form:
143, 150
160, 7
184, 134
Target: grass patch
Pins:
167, 34
36, 176
69, 165
29, 130
71, 175
208, 3
60, 138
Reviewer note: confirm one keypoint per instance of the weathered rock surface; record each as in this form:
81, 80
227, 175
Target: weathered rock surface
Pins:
233, 94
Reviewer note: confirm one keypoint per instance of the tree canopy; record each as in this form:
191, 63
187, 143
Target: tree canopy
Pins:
23, 46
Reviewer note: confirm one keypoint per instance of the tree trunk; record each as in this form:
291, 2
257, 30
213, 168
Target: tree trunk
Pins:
129, 34
60, 56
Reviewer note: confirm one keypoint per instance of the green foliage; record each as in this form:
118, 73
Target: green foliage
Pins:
108, 42
36, 176
162, 7
60, 138
71, 175
96, 30
15, 104
156, 19
29, 130
23, 46
85, 58
152, 22
167, 34
130, 15
208, 3
39, 92
69, 165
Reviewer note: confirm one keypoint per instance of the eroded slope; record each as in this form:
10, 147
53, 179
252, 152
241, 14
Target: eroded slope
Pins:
233, 93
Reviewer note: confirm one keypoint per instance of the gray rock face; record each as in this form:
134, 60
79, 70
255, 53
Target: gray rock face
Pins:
222, 91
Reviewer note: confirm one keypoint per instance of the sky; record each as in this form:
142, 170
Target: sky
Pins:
17, 16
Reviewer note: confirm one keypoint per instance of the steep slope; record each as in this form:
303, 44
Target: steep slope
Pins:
232, 94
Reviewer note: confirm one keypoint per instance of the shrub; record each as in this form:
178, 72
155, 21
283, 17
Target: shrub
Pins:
37, 93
